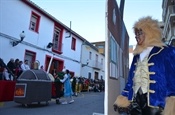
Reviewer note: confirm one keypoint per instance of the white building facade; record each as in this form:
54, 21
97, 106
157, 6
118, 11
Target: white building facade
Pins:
93, 63
168, 16
47, 41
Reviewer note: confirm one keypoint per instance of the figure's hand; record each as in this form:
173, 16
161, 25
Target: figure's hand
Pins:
122, 109
115, 107
170, 106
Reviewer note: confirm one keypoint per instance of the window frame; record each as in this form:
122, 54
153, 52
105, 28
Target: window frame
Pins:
73, 44
58, 50
37, 17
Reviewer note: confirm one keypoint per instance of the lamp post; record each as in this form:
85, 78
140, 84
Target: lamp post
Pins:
49, 45
22, 36
87, 62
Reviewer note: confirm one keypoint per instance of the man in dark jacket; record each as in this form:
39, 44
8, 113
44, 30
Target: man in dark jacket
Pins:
11, 66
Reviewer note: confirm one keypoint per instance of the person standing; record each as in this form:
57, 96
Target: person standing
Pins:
74, 89
17, 68
12, 68
150, 89
58, 87
42, 68
25, 66
67, 88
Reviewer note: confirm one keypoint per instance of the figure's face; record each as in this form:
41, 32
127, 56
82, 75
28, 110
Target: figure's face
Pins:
140, 36
26, 62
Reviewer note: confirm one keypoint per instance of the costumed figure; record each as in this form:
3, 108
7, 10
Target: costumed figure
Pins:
150, 89
58, 86
67, 87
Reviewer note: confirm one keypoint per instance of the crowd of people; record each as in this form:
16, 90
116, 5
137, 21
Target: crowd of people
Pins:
80, 84
68, 86
64, 84
13, 69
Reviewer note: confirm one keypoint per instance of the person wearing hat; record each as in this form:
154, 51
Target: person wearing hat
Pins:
150, 89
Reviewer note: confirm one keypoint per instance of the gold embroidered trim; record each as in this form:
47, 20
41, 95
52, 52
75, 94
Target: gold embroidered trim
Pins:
125, 91
150, 64
156, 53
152, 81
152, 73
151, 91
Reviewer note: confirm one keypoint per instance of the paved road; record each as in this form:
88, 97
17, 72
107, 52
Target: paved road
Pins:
88, 103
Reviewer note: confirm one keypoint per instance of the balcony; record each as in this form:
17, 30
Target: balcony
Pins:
58, 48
97, 65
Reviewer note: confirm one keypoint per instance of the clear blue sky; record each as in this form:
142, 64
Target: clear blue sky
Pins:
88, 16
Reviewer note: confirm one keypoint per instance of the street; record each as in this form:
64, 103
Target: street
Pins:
87, 103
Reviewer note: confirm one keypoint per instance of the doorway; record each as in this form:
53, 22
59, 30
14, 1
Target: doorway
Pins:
96, 75
56, 64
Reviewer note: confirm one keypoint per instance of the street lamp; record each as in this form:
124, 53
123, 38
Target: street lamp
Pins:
22, 36
49, 45
87, 62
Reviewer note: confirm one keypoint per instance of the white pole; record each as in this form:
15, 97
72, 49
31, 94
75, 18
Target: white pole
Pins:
106, 61
50, 63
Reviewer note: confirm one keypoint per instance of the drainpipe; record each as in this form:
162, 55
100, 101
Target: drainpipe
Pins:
69, 31
81, 58
122, 3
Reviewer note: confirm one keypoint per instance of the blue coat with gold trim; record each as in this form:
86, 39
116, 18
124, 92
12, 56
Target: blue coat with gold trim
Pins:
161, 67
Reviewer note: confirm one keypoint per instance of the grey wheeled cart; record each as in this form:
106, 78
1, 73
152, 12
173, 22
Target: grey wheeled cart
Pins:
33, 86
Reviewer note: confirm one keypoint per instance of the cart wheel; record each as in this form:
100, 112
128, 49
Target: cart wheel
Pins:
25, 105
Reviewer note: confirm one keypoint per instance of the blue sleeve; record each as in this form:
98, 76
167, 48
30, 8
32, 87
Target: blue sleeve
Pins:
64, 79
129, 83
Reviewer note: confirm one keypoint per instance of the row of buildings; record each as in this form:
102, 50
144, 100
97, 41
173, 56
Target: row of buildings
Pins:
28, 32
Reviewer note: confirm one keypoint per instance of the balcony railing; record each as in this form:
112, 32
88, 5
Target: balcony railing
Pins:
97, 65
58, 48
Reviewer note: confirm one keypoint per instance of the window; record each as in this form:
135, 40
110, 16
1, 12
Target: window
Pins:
101, 61
100, 46
96, 57
34, 22
89, 75
90, 55
113, 52
30, 56
114, 72
56, 38
96, 60
73, 44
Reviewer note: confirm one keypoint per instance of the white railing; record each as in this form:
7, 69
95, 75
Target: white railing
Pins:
97, 64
